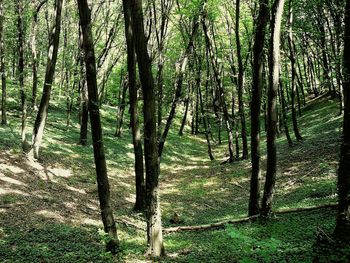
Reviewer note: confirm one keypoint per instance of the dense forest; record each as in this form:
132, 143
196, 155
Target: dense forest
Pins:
175, 131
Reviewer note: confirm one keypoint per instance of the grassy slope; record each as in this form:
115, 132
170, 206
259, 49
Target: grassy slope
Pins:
55, 214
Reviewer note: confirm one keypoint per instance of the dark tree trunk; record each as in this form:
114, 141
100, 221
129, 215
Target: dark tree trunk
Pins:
342, 229
154, 218
120, 120
293, 84
2, 68
184, 119
20, 68
284, 114
258, 57
134, 119
95, 120
240, 84
274, 61
41, 117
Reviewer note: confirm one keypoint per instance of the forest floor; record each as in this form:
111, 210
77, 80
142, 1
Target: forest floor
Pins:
49, 209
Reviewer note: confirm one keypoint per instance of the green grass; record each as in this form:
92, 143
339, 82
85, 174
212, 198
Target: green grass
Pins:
56, 218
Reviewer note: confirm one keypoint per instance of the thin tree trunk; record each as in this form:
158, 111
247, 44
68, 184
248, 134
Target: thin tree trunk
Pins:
284, 114
274, 61
134, 119
112, 244
154, 218
2, 68
258, 58
120, 121
240, 84
41, 117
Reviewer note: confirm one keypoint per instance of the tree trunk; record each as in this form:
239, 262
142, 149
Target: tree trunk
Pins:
240, 84
19, 13
100, 160
41, 117
134, 119
3, 69
154, 219
258, 57
293, 85
342, 229
120, 120
284, 114
274, 61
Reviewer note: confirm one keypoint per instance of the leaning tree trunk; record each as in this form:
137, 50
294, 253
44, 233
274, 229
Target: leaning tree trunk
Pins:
258, 58
154, 218
292, 59
2, 67
19, 13
134, 119
274, 61
240, 84
342, 229
96, 129
41, 117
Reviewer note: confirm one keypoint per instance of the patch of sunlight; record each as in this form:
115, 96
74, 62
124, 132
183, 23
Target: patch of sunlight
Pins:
10, 180
71, 188
131, 198
4, 191
13, 169
60, 172
130, 155
34, 164
49, 214
90, 222
124, 184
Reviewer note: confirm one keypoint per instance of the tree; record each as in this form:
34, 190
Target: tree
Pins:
342, 229
154, 219
40, 121
258, 58
274, 62
2, 68
112, 244
134, 119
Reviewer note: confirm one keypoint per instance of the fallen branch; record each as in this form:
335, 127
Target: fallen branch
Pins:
242, 220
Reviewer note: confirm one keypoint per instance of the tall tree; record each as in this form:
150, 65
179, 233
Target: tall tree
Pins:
2, 67
274, 61
134, 119
258, 59
95, 120
342, 229
40, 121
154, 219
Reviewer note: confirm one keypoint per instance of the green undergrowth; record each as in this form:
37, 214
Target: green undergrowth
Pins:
200, 191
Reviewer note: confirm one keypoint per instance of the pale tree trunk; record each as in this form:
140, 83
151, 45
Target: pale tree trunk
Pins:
96, 129
40, 121
342, 229
274, 61
154, 218
258, 59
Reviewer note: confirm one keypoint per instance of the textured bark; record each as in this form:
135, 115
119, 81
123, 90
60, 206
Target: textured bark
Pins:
96, 129
240, 84
258, 58
2, 68
284, 114
134, 119
121, 110
41, 117
274, 61
154, 219
342, 229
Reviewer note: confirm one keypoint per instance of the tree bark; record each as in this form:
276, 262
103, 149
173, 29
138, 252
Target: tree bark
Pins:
258, 58
40, 121
134, 120
274, 61
154, 219
2, 68
342, 229
99, 154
